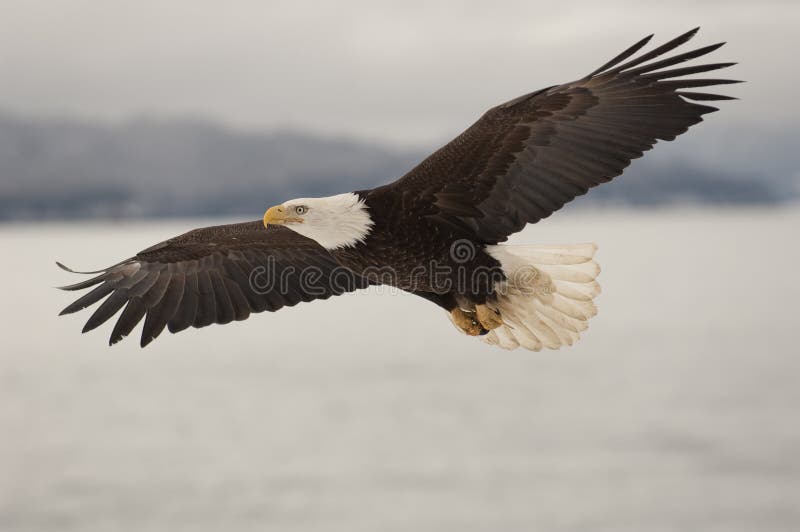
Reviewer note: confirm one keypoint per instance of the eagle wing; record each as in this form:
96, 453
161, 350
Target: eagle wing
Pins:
526, 158
212, 275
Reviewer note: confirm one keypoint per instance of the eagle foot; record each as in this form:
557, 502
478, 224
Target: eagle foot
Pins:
488, 317
467, 322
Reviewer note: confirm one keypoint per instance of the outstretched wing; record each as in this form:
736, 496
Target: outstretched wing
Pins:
526, 158
212, 275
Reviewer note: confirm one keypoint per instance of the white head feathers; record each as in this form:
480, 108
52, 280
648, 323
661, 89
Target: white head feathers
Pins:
334, 222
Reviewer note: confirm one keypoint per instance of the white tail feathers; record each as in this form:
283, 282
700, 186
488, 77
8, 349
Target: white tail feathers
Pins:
546, 300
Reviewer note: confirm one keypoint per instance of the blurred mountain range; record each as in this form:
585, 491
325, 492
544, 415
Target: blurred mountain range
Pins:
186, 167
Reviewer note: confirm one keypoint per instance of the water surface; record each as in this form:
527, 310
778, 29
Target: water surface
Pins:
677, 410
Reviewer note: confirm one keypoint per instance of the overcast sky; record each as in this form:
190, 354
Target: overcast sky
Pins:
413, 72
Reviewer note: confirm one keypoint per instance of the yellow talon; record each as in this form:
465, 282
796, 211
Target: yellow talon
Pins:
466, 322
488, 318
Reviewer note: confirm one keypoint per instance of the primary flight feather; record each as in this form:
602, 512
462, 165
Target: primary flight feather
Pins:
436, 232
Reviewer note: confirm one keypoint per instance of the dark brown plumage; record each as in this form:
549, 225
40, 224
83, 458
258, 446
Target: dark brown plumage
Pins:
519, 163
211, 275
526, 158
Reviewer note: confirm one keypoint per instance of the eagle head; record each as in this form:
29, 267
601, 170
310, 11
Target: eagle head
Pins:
334, 222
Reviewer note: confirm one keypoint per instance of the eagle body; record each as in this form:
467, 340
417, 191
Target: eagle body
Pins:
438, 231
405, 245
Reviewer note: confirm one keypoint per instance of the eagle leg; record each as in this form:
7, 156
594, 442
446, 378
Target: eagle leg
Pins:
466, 322
488, 317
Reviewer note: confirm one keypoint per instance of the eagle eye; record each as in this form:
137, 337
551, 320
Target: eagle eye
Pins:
300, 210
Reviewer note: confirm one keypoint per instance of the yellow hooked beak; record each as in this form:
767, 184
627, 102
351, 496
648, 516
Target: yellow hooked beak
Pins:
277, 215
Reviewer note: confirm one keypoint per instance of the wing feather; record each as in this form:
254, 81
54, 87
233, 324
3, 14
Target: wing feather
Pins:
209, 276
526, 158
159, 315
187, 311
133, 313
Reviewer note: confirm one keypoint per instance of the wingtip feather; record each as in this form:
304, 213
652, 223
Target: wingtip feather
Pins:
687, 36
628, 52
70, 270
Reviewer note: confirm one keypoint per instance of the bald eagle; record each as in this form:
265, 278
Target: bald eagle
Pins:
436, 232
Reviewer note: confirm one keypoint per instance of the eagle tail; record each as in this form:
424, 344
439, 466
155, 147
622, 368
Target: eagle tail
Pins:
547, 298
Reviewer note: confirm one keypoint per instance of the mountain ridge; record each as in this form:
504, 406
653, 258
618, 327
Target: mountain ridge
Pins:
63, 168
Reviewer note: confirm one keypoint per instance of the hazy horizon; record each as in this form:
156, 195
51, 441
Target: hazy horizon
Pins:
57, 169
110, 108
